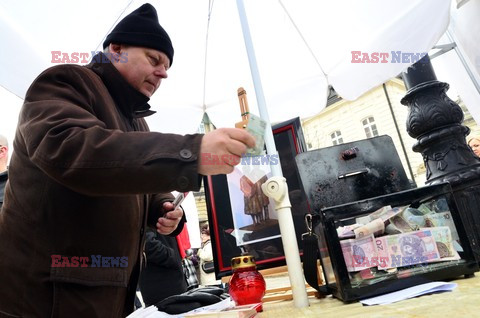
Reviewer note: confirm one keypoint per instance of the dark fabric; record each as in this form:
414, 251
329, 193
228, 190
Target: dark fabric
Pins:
141, 28
163, 274
310, 256
190, 273
3, 182
208, 267
84, 172
192, 299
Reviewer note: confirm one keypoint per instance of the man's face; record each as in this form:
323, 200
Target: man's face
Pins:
143, 68
3, 158
475, 145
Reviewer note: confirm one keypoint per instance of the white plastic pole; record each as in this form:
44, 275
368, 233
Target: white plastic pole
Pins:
287, 230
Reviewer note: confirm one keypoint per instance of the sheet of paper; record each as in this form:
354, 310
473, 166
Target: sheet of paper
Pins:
152, 312
411, 292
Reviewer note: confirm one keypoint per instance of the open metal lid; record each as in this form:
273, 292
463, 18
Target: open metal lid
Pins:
351, 171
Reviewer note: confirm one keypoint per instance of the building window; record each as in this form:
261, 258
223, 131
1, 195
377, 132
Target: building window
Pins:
370, 127
336, 137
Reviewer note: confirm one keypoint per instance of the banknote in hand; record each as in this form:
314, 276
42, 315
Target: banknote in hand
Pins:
256, 127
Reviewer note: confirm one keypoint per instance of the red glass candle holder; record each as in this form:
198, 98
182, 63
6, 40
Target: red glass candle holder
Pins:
246, 286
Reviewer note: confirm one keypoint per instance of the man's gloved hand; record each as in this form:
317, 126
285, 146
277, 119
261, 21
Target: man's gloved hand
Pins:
192, 299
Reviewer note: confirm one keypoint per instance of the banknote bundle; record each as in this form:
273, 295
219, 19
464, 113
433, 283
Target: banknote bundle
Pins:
399, 220
391, 238
373, 223
414, 219
426, 245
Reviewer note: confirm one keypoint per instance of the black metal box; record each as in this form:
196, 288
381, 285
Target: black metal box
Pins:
395, 238
357, 277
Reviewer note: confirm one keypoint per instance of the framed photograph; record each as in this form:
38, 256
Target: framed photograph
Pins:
242, 219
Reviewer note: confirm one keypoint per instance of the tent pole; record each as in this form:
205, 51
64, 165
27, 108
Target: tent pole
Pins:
285, 220
257, 83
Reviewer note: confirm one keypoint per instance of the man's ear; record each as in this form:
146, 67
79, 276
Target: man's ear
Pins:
115, 50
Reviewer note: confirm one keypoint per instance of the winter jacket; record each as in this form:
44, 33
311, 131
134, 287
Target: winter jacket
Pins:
84, 179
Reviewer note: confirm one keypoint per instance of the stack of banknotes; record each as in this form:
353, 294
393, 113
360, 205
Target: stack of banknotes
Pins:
398, 237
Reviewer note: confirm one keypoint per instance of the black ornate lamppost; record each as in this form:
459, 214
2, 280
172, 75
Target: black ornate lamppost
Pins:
436, 122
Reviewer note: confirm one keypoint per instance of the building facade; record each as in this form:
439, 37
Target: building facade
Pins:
377, 112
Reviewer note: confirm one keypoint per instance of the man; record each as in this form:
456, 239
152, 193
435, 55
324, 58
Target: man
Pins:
87, 177
3, 167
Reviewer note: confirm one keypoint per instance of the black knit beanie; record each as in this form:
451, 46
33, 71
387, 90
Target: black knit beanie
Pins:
141, 28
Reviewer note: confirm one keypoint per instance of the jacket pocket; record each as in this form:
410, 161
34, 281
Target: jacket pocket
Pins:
90, 276
88, 292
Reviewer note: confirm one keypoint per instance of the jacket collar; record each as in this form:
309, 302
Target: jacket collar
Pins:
131, 102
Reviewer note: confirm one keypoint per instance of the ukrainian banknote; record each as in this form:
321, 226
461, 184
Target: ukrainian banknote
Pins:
414, 217
444, 240
442, 219
403, 226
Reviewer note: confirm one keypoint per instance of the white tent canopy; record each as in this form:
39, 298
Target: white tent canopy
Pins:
301, 47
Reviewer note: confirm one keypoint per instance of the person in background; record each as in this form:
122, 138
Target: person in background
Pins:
184, 246
474, 144
190, 270
163, 274
3, 167
205, 254
87, 177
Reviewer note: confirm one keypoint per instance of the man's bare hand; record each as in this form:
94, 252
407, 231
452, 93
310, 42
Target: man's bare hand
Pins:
221, 150
169, 222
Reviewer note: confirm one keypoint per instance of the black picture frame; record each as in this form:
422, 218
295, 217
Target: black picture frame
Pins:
289, 141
